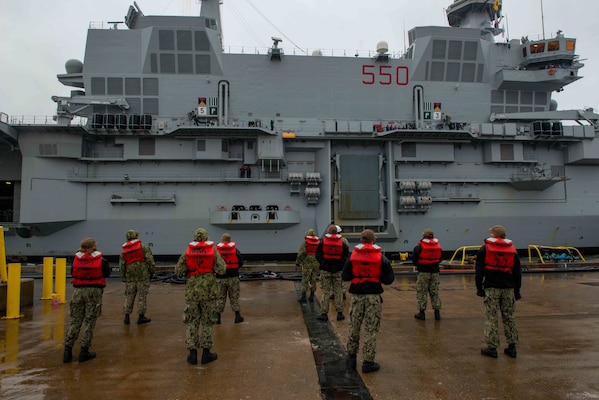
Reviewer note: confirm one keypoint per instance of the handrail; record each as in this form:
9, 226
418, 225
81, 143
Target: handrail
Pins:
538, 248
463, 250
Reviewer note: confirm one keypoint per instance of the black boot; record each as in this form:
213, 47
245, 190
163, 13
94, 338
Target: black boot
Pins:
303, 298
192, 358
511, 350
370, 366
238, 317
207, 356
489, 352
142, 319
218, 318
323, 317
68, 354
350, 362
85, 354
421, 316
126, 321
437, 315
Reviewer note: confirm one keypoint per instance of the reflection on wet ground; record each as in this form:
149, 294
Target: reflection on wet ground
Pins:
280, 352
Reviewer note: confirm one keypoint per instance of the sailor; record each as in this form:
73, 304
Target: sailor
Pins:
229, 281
367, 268
426, 257
137, 267
89, 271
198, 264
498, 280
331, 253
306, 259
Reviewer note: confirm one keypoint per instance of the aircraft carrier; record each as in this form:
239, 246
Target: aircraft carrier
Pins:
164, 132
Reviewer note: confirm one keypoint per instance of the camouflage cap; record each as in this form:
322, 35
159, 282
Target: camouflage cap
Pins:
310, 232
200, 235
131, 234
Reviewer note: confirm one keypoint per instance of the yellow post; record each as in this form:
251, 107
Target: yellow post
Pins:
61, 279
3, 273
48, 278
13, 292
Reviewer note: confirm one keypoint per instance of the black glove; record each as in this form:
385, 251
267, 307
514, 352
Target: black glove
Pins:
480, 292
517, 294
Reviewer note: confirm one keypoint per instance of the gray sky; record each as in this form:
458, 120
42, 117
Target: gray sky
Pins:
37, 37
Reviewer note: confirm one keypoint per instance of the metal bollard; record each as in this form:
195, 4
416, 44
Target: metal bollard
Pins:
48, 278
61, 279
13, 293
3, 273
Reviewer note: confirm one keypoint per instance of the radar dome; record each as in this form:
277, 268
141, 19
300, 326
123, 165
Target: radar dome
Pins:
73, 66
317, 53
382, 47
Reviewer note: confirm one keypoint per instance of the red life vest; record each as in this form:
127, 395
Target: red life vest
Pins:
87, 269
499, 254
229, 253
132, 252
431, 251
332, 246
311, 244
199, 258
366, 263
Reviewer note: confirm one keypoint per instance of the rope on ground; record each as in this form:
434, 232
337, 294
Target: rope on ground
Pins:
170, 277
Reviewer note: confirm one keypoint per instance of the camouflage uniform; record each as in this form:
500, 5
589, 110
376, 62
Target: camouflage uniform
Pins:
368, 270
229, 283
498, 279
137, 277
309, 265
201, 299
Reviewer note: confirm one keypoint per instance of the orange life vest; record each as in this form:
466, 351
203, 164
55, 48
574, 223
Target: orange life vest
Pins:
199, 258
499, 254
311, 244
431, 251
366, 263
332, 246
229, 252
132, 252
87, 269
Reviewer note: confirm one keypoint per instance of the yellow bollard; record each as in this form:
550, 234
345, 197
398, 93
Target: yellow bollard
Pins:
3, 273
13, 292
61, 279
48, 278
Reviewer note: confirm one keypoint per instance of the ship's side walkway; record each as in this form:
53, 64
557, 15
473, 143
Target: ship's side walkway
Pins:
281, 352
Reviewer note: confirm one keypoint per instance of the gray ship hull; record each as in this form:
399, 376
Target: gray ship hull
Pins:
458, 134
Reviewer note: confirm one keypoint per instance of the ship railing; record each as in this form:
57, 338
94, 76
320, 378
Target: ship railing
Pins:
545, 253
310, 52
42, 120
466, 259
231, 175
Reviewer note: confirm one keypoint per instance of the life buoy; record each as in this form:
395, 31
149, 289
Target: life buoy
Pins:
222, 208
551, 71
287, 208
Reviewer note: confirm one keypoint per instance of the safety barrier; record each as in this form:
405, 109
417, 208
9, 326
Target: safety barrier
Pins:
463, 250
568, 251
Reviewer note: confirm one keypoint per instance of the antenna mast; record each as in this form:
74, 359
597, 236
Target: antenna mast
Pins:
542, 20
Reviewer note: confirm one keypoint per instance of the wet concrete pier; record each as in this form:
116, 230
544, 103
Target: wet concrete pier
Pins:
281, 352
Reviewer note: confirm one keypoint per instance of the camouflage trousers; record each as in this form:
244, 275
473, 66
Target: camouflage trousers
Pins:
500, 300
330, 282
140, 289
196, 313
427, 284
231, 287
367, 308
309, 276
85, 308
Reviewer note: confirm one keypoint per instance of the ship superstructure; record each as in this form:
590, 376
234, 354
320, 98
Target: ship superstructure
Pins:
165, 132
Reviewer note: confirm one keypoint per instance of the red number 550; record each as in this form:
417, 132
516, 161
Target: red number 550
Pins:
386, 75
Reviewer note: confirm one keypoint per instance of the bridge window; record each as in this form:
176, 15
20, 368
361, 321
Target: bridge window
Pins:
536, 48
553, 45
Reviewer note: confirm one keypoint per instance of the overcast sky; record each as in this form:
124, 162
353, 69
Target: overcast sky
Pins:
37, 37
